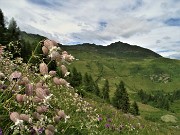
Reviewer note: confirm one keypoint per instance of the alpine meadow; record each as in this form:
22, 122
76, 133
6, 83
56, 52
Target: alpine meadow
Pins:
52, 88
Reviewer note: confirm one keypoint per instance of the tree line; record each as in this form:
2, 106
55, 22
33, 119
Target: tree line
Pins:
159, 99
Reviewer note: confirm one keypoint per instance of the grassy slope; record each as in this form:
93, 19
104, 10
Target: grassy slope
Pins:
31, 37
135, 73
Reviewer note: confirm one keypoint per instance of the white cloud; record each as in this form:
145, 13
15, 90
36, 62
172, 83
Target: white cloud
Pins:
139, 22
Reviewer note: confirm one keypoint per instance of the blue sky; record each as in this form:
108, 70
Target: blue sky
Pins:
147, 23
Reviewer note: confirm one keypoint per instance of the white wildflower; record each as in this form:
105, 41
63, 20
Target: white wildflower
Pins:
66, 117
47, 76
18, 122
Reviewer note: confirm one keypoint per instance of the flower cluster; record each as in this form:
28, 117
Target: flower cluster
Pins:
29, 100
77, 106
35, 102
51, 49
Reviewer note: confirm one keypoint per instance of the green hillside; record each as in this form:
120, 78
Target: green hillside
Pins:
149, 73
142, 69
31, 38
138, 67
117, 49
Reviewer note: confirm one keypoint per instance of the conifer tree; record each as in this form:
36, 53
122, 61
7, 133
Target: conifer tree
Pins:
2, 21
86, 81
13, 30
105, 91
2, 27
135, 108
121, 99
90, 85
97, 91
26, 50
75, 78
165, 104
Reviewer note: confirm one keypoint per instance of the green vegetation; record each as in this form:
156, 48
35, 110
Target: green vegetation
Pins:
137, 73
159, 99
75, 78
105, 91
151, 74
121, 98
134, 109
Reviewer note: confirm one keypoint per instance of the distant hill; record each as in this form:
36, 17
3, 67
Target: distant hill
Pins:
31, 37
117, 49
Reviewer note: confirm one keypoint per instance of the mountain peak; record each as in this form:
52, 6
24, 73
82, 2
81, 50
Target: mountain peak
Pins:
131, 50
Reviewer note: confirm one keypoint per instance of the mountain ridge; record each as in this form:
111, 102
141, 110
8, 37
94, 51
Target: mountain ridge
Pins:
117, 49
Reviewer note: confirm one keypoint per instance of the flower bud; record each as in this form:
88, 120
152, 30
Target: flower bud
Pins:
24, 81
2, 76
20, 98
51, 128
54, 55
54, 43
24, 117
15, 75
43, 68
64, 70
36, 116
61, 114
56, 81
36, 99
42, 109
1, 50
29, 89
45, 50
52, 73
24, 98
56, 119
40, 93
14, 116
39, 85
64, 82
47, 91
48, 132
49, 43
